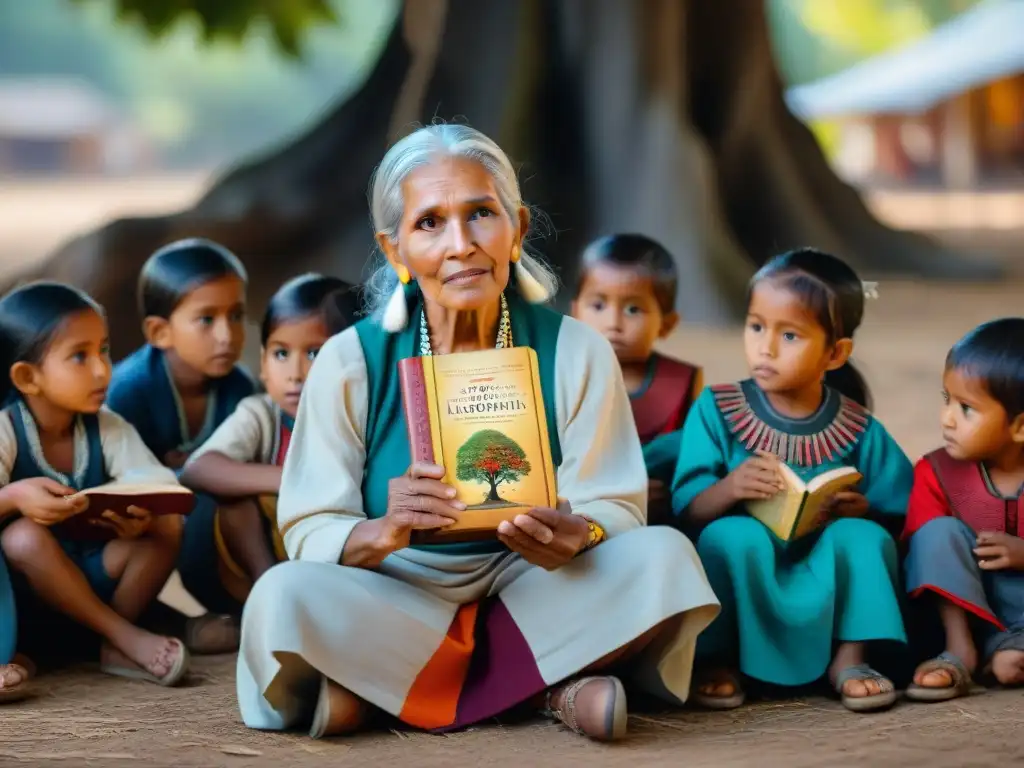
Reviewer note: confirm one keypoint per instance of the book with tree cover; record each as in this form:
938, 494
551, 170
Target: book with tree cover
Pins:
796, 511
157, 498
480, 415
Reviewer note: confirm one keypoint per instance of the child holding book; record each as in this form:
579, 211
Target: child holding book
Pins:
627, 291
56, 438
793, 611
241, 462
964, 518
181, 385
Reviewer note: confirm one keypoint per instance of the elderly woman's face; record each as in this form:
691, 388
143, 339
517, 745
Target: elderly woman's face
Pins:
455, 237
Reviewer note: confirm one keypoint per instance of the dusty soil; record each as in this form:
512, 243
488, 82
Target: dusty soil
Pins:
84, 718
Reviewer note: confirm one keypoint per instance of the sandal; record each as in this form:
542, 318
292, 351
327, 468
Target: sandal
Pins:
19, 690
337, 711
953, 666
710, 701
173, 676
213, 634
872, 703
603, 723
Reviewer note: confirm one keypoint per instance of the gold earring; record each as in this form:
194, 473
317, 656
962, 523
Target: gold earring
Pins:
403, 274
514, 257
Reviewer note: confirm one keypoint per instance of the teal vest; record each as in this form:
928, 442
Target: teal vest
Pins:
387, 443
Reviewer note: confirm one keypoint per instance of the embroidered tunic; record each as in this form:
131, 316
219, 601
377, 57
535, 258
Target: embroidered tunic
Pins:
783, 606
257, 432
442, 637
659, 408
951, 503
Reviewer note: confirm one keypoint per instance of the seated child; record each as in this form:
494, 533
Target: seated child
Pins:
793, 611
965, 515
57, 438
178, 388
241, 463
627, 291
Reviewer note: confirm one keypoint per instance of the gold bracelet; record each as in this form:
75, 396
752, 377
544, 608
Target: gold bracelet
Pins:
595, 534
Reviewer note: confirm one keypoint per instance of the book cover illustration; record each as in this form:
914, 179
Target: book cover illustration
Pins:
481, 416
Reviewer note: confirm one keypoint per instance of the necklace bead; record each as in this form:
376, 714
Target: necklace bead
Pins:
503, 340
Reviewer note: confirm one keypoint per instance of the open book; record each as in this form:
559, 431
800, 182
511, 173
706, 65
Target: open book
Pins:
796, 511
157, 498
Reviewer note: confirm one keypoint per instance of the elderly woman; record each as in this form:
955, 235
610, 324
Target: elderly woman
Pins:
444, 636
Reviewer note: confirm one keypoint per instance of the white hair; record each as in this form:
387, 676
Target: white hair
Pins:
420, 148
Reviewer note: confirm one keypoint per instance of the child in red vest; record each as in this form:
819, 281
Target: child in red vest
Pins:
964, 517
627, 291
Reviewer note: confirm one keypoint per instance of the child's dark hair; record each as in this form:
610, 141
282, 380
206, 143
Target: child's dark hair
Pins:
177, 269
833, 292
993, 353
312, 294
637, 252
30, 318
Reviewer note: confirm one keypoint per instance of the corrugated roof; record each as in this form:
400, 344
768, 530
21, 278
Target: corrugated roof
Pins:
43, 107
981, 45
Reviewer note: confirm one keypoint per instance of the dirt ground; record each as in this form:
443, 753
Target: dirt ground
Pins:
83, 718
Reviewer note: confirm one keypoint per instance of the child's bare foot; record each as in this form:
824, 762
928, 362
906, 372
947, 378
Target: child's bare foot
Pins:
1008, 667
719, 689
142, 651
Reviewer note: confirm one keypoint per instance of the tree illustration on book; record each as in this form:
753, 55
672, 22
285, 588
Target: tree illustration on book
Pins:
491, 457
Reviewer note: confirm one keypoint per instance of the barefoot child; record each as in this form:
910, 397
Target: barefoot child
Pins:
241, 463
965, 515
56, 438
627, 291
179, 387
785, 607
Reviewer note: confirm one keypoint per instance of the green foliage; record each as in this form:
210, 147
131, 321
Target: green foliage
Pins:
203, 102
491, 457
816, 38
230, 20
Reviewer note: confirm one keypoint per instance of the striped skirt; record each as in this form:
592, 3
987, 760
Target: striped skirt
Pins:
443, 641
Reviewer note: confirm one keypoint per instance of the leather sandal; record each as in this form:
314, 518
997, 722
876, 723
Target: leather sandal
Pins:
953, 666
603, 718
10, 692
884, 699
212, 634
337, 711
712, 701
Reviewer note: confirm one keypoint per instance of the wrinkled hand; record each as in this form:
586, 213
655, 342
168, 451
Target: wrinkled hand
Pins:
129, 526
44, 500
546, 537
846, 504
756, 478
418, 501
999, 551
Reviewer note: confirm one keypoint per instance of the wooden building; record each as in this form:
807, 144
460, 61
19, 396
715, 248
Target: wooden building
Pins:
945, 110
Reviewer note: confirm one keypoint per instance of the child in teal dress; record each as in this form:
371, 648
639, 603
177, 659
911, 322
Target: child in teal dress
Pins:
627, 292
184, 382
793, 612
56, 438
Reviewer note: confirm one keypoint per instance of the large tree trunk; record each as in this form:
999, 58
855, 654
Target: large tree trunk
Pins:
658, 116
